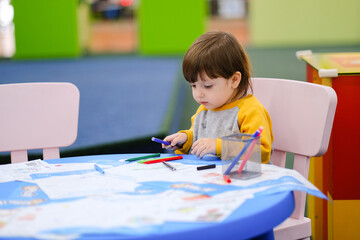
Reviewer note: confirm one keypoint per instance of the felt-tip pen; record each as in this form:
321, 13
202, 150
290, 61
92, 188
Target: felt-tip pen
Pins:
142, 157
169, 166
206, 167
99, 169
227, 179
157, 160
154, 139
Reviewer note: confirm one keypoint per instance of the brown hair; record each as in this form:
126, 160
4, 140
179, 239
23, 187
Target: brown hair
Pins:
217, 54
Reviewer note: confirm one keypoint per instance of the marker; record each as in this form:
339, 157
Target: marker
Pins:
242, 165
142, 157
206, 167
154, 139
241, 153
169, 166
157, 160
227, 179
162, 158
99, 169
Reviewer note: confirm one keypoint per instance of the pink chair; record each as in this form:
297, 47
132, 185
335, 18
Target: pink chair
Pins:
302, 116
38, 116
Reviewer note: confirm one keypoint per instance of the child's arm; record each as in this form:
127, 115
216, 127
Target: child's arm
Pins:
250, 120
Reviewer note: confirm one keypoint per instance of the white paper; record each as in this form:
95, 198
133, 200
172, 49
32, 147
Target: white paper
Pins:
87, 184
135, 196
97, 213
22, 171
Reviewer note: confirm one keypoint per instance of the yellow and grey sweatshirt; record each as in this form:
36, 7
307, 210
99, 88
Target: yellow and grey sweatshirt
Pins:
245, 115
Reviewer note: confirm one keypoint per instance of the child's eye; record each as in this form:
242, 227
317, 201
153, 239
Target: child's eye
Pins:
208, 86
193, 86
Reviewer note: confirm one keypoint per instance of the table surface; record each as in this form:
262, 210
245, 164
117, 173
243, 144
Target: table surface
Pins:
345, 63
255, 217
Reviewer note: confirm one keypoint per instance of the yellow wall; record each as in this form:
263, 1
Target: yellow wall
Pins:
304, 22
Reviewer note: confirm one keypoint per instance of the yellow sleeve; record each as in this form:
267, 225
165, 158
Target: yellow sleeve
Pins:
187, 145
251, 116
218, 147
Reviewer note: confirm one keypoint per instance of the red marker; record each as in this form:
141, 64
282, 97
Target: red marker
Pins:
227, 179
162, 159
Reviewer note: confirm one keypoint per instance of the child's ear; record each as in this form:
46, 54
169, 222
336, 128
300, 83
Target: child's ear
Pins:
235, 79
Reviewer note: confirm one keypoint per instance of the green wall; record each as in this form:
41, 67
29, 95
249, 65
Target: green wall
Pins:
168, 26
304, 22
46, 28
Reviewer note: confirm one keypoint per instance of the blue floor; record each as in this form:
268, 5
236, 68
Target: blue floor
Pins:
121, 97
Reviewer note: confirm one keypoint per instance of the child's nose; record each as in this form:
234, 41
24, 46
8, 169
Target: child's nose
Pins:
200, 94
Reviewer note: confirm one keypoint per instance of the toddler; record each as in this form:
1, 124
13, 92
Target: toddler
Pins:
218, 70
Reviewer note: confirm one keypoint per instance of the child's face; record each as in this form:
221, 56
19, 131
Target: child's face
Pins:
214, 93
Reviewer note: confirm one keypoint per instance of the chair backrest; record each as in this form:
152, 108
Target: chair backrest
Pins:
38, 116
302, 115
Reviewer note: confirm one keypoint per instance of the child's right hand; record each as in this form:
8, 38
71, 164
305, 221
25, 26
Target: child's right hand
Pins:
176, 140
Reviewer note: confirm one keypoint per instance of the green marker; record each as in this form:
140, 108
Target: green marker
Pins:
143, 157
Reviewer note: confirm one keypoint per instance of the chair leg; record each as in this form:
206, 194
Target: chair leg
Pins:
19, 156
301, 164
51, 153
278, 158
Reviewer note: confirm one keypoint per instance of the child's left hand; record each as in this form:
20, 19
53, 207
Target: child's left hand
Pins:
204, 146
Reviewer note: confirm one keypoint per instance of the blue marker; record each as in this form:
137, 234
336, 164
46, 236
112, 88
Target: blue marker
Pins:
99, 169
154, 139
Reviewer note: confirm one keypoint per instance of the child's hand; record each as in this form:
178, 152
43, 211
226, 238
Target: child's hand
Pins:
176, 140
204, 146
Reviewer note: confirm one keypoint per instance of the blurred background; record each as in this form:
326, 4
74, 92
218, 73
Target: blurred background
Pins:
125, 55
